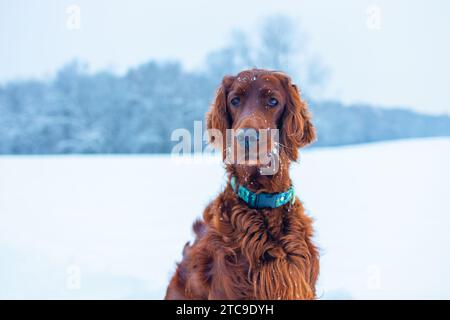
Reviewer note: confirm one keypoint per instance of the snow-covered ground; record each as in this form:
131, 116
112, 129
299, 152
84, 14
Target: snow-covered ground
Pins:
113, 226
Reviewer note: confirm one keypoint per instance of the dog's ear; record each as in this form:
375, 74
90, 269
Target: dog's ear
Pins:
297, 129
217, 118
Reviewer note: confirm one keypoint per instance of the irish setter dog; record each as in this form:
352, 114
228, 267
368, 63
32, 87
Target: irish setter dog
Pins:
245, 252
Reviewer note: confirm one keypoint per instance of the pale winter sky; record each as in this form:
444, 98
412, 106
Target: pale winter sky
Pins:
403, 63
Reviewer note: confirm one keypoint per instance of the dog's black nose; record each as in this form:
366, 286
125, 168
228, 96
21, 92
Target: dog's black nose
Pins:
247, 137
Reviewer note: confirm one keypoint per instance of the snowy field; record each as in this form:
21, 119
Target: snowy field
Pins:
113, 226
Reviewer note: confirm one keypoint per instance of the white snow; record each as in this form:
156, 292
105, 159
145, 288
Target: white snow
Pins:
114, 226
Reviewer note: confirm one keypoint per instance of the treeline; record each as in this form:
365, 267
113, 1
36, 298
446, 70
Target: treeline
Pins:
82, 112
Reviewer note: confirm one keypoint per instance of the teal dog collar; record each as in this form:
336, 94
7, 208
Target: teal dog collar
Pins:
262, 200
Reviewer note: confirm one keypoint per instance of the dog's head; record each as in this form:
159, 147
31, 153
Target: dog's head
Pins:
256, 101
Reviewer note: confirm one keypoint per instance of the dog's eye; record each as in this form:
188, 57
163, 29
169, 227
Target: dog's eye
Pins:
235, 101
272, 102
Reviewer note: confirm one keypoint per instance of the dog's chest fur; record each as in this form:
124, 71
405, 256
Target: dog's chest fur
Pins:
258, 254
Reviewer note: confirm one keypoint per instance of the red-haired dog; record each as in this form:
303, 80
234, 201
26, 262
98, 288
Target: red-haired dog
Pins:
255, 241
